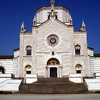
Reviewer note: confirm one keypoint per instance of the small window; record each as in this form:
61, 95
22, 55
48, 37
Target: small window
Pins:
28, 72
28, 69
28, 50
78, 71
77, 49
53, 53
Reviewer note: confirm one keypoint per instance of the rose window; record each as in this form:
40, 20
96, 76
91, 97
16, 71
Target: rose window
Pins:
52, 40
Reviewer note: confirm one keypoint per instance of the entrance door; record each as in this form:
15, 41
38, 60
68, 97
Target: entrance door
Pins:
53, 72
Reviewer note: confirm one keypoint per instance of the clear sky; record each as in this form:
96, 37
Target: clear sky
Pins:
13, 12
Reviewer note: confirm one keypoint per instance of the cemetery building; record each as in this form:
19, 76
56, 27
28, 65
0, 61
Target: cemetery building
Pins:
53, 48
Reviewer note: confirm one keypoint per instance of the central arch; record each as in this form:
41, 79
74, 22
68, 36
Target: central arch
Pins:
53, 64
53, 61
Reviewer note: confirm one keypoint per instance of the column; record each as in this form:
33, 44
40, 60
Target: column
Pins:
46, 71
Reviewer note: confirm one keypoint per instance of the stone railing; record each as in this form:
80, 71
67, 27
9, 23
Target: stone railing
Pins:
92, 84
76, 78
10, 85
30, 78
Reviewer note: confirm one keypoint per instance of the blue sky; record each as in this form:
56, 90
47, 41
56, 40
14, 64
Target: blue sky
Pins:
13, 12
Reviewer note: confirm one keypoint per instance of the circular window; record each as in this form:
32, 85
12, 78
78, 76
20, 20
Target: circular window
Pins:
52, 40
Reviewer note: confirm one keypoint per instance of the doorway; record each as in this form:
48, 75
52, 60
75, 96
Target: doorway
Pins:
53, 72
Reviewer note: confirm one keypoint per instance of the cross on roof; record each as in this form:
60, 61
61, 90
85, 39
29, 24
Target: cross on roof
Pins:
52, 3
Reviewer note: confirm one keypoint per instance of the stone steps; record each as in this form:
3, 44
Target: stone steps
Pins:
53, 86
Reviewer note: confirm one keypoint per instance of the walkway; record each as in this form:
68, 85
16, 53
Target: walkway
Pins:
50, 97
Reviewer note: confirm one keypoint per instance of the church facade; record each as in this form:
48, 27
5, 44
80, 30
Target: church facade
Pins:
53, 48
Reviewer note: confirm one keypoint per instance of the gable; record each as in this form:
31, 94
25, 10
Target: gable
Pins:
56, 27
54, 23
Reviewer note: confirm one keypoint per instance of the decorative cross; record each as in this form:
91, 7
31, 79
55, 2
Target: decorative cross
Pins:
52, 3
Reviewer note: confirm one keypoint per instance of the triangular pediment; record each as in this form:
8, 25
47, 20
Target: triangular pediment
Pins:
51, 23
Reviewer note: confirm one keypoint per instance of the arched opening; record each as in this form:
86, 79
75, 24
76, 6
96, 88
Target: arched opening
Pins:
28, 69
77, 49
53, 67
78, 68
2, 70
28, 50
53, 61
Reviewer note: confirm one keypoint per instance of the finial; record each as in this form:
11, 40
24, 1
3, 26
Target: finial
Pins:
52, 4
52, 8
83, 26
34, 20
22, 27
70, 19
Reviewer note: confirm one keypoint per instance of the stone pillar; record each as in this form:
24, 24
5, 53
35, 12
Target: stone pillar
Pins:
48, 72
24, 72
60, 72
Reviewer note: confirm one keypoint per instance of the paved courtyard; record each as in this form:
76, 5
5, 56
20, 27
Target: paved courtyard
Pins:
51, 97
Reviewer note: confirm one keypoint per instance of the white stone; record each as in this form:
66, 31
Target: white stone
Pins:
11, 85
5, 76
76, 78
93, 84
97, 75
31, 78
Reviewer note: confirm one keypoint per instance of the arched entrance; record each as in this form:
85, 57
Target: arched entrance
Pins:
28, 69
78, 69
53, 64
2, 70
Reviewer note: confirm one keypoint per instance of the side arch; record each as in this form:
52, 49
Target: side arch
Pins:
28, 69
2, 70
78, 68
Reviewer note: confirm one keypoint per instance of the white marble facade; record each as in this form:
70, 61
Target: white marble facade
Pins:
53, 48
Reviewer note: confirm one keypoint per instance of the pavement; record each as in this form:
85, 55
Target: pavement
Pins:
50, 97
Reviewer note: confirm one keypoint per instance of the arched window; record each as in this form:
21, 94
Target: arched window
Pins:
28, 69
78, 68
2, 70
77, 49
28, 50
